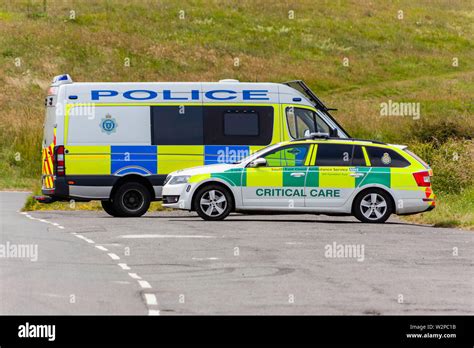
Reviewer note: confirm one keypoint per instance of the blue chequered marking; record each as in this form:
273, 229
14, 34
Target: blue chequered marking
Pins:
214, 154
134, 159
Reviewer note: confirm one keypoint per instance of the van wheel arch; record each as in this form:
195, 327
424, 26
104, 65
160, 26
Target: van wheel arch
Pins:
217, 183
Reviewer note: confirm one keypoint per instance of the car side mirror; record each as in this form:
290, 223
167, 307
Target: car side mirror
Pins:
333, 133
259, 162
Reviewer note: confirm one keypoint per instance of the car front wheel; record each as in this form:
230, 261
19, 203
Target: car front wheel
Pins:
213, 203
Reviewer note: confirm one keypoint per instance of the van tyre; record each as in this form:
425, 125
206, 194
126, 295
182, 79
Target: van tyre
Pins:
213, 202
373, 206
132, 199
108, 208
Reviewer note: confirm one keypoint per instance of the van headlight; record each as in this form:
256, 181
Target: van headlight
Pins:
179, 179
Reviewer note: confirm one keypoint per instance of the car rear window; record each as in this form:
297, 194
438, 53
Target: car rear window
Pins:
382, 157
426, 165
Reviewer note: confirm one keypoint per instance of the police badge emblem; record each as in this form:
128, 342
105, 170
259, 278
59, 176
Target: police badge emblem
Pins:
108, 124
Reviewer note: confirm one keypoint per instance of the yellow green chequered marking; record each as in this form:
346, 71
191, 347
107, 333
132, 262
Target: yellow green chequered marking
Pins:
271, 177
336, 177
235, 176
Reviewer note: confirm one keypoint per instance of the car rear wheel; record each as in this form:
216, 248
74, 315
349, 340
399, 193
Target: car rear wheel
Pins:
132, 199
213, 203
373, 206
109, 208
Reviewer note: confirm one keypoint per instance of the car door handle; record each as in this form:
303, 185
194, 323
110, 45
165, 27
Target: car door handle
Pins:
356, 175
297, 175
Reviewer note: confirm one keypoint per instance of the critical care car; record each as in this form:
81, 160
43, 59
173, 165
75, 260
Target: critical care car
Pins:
367, 179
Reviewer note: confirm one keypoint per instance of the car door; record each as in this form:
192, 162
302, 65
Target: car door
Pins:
334, 175
281, 182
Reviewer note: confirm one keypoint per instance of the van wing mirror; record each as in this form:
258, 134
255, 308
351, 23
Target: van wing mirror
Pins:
259, 162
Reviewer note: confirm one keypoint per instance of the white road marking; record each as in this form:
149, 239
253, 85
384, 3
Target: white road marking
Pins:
142, 236
144, 284
113, 256
123, 266
84, 238
134, 276
151, 300
205, 258
42, 220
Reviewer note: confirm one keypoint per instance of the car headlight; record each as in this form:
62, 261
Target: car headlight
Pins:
179, 179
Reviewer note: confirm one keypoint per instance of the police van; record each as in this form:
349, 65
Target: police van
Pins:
117, 142
318, 174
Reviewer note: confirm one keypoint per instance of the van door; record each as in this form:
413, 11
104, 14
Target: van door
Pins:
335, 175
281, 182
301, 121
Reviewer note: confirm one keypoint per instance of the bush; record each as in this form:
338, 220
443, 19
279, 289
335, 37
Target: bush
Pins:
451, 162
441, 130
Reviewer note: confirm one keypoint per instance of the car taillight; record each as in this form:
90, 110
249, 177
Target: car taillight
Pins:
422, 179
59, 165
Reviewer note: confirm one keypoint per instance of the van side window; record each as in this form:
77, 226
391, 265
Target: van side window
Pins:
289, 156
177, 125
302, 121
381, 157
238, 125
241, 123
334, 155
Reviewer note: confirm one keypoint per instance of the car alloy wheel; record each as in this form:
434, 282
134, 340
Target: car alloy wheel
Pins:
213, 203
373, 206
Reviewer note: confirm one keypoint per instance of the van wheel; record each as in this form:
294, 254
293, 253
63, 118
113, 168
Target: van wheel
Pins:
131, 200
373, 205
109, 208
213, 203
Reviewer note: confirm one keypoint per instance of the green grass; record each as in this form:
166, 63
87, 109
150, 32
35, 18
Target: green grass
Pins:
452, 210
408, 60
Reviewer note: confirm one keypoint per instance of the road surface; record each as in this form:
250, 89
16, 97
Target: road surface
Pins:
175, 263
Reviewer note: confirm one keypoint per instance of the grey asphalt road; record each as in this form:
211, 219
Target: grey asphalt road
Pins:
175, 263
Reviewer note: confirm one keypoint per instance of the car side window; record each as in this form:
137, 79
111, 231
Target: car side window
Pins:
358, 159
288, 156
334, 155
382, 157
